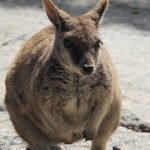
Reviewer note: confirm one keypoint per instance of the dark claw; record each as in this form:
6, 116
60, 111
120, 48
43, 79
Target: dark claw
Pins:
85, 137
86, 140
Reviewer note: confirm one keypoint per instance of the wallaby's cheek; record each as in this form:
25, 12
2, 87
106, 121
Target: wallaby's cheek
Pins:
66, 60
97, 58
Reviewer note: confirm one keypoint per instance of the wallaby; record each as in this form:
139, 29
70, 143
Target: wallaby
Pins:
62, 86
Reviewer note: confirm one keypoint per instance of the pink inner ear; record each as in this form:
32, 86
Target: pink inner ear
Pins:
50, 9
52, 12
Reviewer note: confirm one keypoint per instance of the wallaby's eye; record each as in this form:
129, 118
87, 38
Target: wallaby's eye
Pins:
68, 43
97, 44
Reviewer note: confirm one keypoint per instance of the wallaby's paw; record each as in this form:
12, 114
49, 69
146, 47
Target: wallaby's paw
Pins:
68, 141
89, 134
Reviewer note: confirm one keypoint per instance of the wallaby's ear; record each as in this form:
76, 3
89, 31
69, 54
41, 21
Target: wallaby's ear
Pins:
56, 16
97, 12
52, 12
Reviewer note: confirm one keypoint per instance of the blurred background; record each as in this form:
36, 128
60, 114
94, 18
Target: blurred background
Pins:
125, 31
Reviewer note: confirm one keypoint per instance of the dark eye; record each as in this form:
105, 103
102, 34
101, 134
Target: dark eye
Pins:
97, 44
68, 43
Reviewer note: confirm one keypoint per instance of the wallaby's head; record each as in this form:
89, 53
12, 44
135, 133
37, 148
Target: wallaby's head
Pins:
77, 42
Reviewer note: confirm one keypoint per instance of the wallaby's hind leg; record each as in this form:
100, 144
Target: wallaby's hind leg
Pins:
30, 133
107, 127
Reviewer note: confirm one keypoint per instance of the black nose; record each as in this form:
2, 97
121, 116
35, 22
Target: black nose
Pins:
88, 69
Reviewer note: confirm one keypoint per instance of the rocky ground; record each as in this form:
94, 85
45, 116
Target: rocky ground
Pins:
126, 33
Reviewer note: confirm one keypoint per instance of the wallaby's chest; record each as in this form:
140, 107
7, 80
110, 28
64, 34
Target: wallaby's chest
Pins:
76, 107
73, 94
71, 98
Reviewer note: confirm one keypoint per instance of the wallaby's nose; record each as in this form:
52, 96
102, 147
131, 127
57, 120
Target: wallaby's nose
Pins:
88, 69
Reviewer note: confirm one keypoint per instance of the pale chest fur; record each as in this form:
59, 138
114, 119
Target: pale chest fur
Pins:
70, 98
77, 105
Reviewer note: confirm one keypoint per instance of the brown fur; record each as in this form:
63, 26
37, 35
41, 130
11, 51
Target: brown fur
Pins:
56, 94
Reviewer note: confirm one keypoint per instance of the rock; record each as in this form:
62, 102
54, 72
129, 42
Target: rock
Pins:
135, 10
130, 121
130, 140
116, 148
2, 108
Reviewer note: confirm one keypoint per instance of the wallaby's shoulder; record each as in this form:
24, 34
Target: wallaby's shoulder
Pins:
38, 43
31, 54
38, 46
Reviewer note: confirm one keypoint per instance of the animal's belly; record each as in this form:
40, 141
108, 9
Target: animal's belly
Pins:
76, 111
73, 117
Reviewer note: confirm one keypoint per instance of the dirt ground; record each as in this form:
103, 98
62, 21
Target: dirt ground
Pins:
125, 31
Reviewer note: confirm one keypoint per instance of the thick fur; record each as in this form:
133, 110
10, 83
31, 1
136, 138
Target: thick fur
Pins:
49, 97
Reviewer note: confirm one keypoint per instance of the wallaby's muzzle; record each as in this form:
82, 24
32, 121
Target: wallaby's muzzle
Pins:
88, 69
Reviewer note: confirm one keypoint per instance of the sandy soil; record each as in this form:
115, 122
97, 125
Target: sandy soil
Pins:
126, 33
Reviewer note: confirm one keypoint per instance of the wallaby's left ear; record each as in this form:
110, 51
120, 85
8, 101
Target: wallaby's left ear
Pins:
55, 15
98, 11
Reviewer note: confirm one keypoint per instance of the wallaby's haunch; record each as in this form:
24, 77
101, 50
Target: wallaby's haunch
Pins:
62, 86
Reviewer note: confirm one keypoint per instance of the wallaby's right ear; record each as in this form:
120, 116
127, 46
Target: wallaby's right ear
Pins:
52, 12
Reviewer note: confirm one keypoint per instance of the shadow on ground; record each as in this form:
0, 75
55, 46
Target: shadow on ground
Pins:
133, 13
